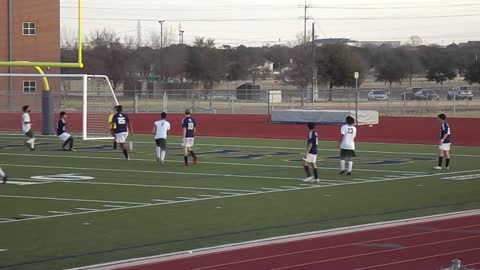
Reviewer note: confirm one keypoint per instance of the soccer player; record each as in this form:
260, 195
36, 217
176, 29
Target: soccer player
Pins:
122, 127
112, 126
62, 134
445, 143
160, 130
189, 126
4, 176
27, 127
311, 155
347, 145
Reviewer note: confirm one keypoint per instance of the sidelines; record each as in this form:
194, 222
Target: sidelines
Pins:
206, 199
68, 199
203, 162
122, 264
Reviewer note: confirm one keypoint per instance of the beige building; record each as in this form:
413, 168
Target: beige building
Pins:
29, 31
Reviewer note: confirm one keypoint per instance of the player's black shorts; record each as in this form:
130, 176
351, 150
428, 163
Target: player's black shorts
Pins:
345, 153
162, 143
29, 134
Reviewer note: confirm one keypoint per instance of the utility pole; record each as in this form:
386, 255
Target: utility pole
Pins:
139, 33
305, 19
161, 33
181, 36
314, 70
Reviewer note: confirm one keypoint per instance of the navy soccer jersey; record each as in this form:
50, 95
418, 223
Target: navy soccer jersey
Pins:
445, 130
121, 122
61, 127
313, 139
190, 124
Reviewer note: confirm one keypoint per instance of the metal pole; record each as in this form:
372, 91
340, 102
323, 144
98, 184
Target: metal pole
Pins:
10, 56
161, 33
357, 100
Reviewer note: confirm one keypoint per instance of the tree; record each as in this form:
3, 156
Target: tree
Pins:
236, 72
391, 67
473, 73
440, 72
337, 64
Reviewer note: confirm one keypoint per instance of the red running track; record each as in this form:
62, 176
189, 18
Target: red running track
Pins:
420, 246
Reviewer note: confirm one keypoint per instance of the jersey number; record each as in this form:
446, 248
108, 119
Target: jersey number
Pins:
350, 131
190, 126
121, 121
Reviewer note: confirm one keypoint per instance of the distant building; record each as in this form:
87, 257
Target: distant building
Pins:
327, 41
393, 44
470, 44
29, 31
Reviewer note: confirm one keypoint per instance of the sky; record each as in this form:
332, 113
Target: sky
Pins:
268, 22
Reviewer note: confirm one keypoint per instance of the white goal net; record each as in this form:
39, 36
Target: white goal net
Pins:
88, 99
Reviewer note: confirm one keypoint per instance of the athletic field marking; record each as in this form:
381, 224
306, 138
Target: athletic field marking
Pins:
3, 250
113, 206
462, 177
59, 212
187, 198
418, 259
87, 209
372, 253
68, 199
5, 219
208, 196
205, 162
473, 264
140, 185
24, 183
224, 197
290, 187
150, 260
32, 216
158, 200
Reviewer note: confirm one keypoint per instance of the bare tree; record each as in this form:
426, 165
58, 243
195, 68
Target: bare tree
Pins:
68, 38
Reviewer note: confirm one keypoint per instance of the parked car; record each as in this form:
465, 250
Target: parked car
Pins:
426, 94
409, 93
377, 94
461, 92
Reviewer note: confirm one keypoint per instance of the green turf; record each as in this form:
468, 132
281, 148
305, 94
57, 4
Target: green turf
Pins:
243, 189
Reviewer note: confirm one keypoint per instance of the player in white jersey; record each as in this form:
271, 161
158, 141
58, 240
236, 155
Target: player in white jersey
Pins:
347, 145
27, 127
3, 175
160, 130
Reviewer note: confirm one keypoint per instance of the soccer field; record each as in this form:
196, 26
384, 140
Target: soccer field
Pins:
69, 209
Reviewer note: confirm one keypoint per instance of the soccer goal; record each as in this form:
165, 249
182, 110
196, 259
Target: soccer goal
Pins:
88, 100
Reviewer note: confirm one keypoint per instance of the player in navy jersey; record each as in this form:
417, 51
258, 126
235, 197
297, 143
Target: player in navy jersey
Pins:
311, 155
121, 127
189, 126
444, 144
62, 134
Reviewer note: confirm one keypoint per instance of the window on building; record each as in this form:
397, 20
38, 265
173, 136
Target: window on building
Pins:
29, 29
29, 87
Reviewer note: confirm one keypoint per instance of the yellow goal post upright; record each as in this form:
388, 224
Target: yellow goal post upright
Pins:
47, 107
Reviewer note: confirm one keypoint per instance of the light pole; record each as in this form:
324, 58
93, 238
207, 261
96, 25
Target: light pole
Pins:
161, 33
181, 36
357, 98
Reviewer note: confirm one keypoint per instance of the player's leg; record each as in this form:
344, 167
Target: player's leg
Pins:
350, 165
306, 168
440, 158
4, 176
447, 159
122, 139
158, 149
190, 150
30, 140
314, 168
342, 162
163, 152
185, 152
70, 143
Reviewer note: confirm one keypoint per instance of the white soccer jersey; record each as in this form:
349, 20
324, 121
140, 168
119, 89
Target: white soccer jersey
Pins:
26, 118
349, 133
163, 127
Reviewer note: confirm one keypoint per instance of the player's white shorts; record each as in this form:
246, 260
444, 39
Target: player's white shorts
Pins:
444, 146
121, 137
188, 142
64, 136
311, 158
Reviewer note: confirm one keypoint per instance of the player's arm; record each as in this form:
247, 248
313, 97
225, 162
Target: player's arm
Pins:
130, 129
309, 147
447, 132
184, 126
154, 131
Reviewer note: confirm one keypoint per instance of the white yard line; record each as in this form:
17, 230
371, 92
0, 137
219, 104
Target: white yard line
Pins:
187, 198
87, 209
59, 212
68, 199
113, 206
230, 196
135, 185
203, 162
32, 216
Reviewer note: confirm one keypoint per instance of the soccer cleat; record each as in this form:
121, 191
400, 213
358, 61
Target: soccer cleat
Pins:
185, 164
342, 172
349, 173
316, 180
72, 150
195, 162
5, 179
437, 168
447, 168
308, 179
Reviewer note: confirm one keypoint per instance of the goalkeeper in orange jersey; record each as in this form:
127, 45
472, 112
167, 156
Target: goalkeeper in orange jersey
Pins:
112, 126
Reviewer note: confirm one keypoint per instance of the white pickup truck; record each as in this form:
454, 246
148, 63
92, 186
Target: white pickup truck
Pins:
461, 92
